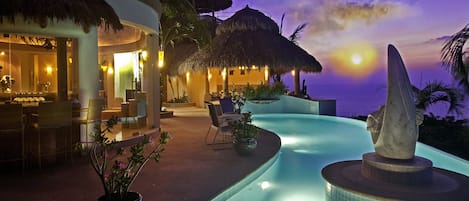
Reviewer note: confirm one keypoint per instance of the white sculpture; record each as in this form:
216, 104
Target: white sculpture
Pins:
394, 127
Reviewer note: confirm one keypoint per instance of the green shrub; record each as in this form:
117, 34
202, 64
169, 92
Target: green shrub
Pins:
264, 91
182, 99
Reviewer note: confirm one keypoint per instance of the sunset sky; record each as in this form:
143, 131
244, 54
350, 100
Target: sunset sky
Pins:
350, 37
340, 31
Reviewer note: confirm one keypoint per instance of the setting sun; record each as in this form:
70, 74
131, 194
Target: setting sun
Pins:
357, 60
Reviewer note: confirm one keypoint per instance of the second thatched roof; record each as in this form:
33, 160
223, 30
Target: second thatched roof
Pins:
250, 38
86, 13
207, 6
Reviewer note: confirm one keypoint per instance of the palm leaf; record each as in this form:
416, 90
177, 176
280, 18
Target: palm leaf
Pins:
281, 23
295, 36
436, 92
451, 55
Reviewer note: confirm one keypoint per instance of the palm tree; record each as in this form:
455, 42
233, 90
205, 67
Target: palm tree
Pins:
294, 37
180, 23
435, 92
456, 59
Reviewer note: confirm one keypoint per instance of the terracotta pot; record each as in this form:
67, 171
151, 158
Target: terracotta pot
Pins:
245, 146
131, 196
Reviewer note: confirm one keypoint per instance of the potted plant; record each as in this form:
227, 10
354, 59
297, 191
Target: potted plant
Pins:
244, 135
117, 166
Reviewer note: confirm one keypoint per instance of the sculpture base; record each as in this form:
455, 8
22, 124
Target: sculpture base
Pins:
416, 171
345, 181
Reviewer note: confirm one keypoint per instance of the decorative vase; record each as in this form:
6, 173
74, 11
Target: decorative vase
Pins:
245, 146
130, 196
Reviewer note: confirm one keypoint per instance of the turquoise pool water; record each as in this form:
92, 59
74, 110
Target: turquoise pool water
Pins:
310, 142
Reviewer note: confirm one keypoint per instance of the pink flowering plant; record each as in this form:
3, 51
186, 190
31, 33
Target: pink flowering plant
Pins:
116, 165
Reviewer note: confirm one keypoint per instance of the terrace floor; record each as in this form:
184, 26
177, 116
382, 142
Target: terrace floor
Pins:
188, 170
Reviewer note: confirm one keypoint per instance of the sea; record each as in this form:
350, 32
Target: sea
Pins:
364, 95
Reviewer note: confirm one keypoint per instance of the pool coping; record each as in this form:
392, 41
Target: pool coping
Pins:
238, 186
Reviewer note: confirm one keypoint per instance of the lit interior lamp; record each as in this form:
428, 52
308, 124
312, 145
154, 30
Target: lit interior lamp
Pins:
110, 71
70, 60
293, 72
160, 58
49, 70
188, 76
2, 53
254, 67
144, 55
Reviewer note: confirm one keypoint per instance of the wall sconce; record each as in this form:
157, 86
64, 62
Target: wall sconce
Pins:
160, 58
49, 70
2, 53
110, 71
144, 55
209, 75
223, 73
104, 68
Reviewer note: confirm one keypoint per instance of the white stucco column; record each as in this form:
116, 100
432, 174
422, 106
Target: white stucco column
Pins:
88, 72
151, 81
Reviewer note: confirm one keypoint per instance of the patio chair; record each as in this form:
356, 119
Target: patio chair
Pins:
219, 123
12, 124
227, 105
55, 117
93, 116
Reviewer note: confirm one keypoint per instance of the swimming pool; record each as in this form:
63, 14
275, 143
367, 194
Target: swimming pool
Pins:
310, 142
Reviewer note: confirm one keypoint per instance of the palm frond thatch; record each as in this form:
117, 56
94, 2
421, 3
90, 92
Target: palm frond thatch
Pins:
207, 6
250, 38
175, 55
83, 12
259, 48
452, 56
181, 49
247, 19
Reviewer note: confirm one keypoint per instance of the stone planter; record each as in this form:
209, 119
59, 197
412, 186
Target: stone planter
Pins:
245, 146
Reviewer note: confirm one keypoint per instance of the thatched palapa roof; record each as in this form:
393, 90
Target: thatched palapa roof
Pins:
83, 12
207, 6
250, 38
174, 56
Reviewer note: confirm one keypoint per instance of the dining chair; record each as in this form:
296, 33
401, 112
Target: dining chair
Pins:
55, 117
93, 116
219, 123
12, 124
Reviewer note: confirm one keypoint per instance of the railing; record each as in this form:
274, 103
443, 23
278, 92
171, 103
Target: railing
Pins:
290, 104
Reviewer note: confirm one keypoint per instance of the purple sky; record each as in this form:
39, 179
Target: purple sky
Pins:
338, 30
415, 27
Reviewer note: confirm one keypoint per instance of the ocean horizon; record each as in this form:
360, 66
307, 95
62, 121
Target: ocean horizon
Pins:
362, 96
